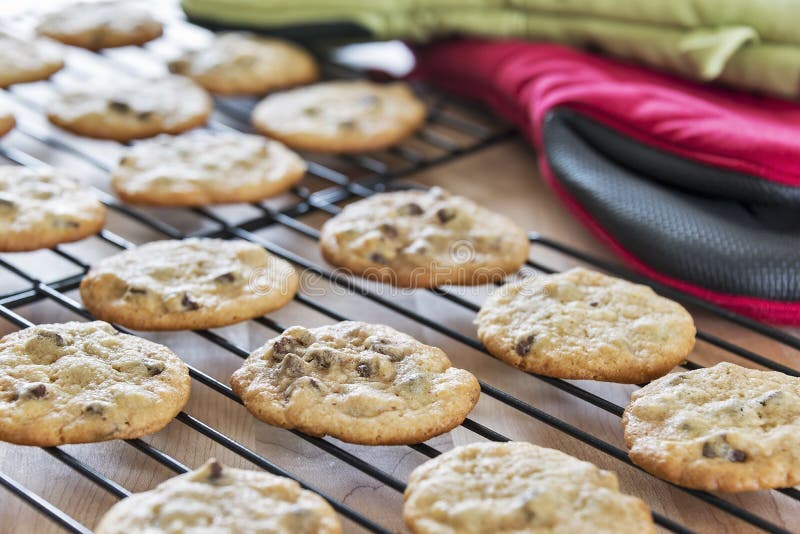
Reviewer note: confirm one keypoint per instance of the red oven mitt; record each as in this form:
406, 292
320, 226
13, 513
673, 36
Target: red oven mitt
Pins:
695, 186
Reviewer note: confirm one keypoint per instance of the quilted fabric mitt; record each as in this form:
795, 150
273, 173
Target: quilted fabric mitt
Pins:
748, 44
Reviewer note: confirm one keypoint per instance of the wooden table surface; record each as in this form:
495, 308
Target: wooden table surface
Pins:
503, 177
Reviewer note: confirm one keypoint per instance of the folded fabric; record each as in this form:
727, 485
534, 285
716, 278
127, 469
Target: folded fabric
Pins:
697, 187
748, 44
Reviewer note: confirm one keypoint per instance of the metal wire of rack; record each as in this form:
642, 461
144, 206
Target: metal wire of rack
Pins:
372, 175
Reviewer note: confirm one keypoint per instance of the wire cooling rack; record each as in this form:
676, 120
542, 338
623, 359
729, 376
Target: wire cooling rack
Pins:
453, 130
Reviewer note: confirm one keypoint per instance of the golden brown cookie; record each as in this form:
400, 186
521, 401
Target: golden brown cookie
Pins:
86, 382
202, 168
241, 63
517, 487
190, 284
581, 324
96, 25
358, 382
340, 116
723, 428
40, 209
23, 61
424, 239
222, 500
132, 109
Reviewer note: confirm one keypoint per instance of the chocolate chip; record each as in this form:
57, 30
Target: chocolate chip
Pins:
214, 470
33, 391
178, 65
412, 208
291, 367
284, 345
388, 229
718, 447
737, 456
445, 214
523, 347
118, 106
225, 278
188, 303
52, 337
144, 115
322, 358
377, 257
136, 290
364, 370
315, 383
594, 304
385, 347
94, 408
154, 367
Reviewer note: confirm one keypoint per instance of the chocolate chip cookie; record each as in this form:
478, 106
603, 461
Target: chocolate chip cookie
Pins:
86, 382
132, 109
581, 324
518, 487
723, 428
96, 25
358, 382
28, 60
202, 168
221, 499
239, 63
424, 239
189, 284
42, 208
340, 116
